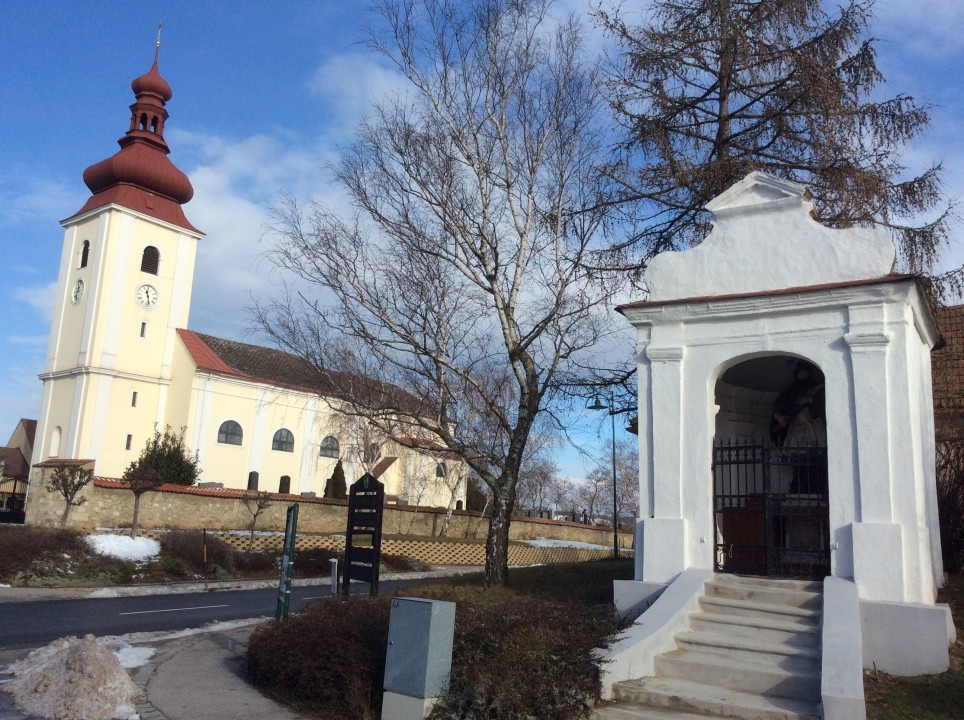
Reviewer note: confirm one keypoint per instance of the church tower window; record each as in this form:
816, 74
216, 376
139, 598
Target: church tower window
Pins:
150, 260
85, 253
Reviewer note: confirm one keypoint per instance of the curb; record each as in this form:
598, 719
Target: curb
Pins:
42, 594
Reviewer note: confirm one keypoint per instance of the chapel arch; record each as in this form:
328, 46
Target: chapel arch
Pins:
769, 471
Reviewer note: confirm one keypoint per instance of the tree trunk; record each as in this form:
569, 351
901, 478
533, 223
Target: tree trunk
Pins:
254, 520
497, 542
137, 504
63, 518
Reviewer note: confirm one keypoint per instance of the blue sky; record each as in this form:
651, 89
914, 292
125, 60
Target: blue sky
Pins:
264, 95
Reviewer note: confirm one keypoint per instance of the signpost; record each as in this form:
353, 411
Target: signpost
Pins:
287, 563
363, 539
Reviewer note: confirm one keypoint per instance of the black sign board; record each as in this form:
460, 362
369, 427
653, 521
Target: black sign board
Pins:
363, 540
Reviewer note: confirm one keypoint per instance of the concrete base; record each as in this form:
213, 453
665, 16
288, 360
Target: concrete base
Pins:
396, 706
633, 597
875, 577
664, 549
633, 652
842, 678
906, 638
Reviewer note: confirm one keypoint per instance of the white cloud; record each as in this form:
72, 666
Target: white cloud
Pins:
348, 83
38, 200
38, 297
930, 29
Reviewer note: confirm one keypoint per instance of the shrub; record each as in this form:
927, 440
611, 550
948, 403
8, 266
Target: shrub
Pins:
20, 546
316, 562
188, 547
515, 655
168, 454
251, 561
522, 658
329, 658
950, 502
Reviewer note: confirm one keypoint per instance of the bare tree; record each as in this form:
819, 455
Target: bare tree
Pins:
708, 90
627, 481
459, 283
256, 504
451, 477
141, 480
68, 481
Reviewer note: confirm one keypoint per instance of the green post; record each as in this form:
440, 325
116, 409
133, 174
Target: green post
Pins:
287, 563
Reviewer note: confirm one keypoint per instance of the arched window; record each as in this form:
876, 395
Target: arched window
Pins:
154, 124
329, 447
441, 471
283, 440
55, 442
230, 433
150, 260
143, 124
85, 253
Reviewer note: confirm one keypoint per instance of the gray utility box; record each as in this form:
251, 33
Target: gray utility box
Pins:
419, 658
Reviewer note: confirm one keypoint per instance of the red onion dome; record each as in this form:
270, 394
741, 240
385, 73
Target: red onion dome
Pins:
141, 165
152, 83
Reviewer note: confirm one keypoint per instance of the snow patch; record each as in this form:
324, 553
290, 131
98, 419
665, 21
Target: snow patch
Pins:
566, 544
131, 657
137, 549
72, 679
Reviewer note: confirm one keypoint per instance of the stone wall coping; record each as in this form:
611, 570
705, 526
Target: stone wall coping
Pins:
236, 493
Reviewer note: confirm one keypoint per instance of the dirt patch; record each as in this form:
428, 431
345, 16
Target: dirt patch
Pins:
73, 679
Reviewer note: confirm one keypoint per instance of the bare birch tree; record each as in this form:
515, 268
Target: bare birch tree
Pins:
458, 283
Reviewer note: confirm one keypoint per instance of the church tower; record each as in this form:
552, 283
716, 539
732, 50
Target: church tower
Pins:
124, 287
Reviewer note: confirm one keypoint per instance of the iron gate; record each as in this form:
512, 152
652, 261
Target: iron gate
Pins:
770, 510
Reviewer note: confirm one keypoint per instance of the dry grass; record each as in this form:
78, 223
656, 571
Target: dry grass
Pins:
929, 697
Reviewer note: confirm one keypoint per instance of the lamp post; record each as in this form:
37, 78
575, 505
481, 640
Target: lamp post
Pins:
598, 404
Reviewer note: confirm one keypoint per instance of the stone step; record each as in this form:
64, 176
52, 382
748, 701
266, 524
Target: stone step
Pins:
806, 585
790, 677
767, 629
686, 696
767, 595
632, 711
748, 648
755, 608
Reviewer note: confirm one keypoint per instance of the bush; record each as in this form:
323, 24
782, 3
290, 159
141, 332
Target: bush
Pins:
188, 547
950, 502
20, 546
329, 658
522, 658
516, 654
251, 562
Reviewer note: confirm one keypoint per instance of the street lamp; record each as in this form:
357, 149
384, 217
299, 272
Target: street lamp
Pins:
598, 404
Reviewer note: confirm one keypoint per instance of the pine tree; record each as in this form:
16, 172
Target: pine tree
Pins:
167, 453
709, 90
336, 487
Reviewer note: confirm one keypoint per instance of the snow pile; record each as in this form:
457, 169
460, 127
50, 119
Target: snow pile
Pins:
125, 547
73, 679
567, 544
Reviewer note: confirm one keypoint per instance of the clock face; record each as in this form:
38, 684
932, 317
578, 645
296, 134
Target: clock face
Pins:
77, 292
147, 296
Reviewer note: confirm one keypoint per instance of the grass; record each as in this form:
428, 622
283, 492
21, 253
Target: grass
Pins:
521, 651
928, 697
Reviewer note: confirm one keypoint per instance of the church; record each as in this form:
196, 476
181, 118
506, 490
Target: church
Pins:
121, 361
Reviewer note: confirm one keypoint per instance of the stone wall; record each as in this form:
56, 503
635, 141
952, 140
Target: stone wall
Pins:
109, 503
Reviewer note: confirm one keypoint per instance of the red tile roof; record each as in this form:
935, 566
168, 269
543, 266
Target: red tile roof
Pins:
281, 369
117, 484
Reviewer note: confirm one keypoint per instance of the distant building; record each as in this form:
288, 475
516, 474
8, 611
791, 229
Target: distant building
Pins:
121, 362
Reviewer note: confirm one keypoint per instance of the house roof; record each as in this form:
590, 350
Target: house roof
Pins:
30, 428
281, 369
14, 463
947, 365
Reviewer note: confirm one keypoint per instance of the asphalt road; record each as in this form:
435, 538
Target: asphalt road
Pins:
37, 623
